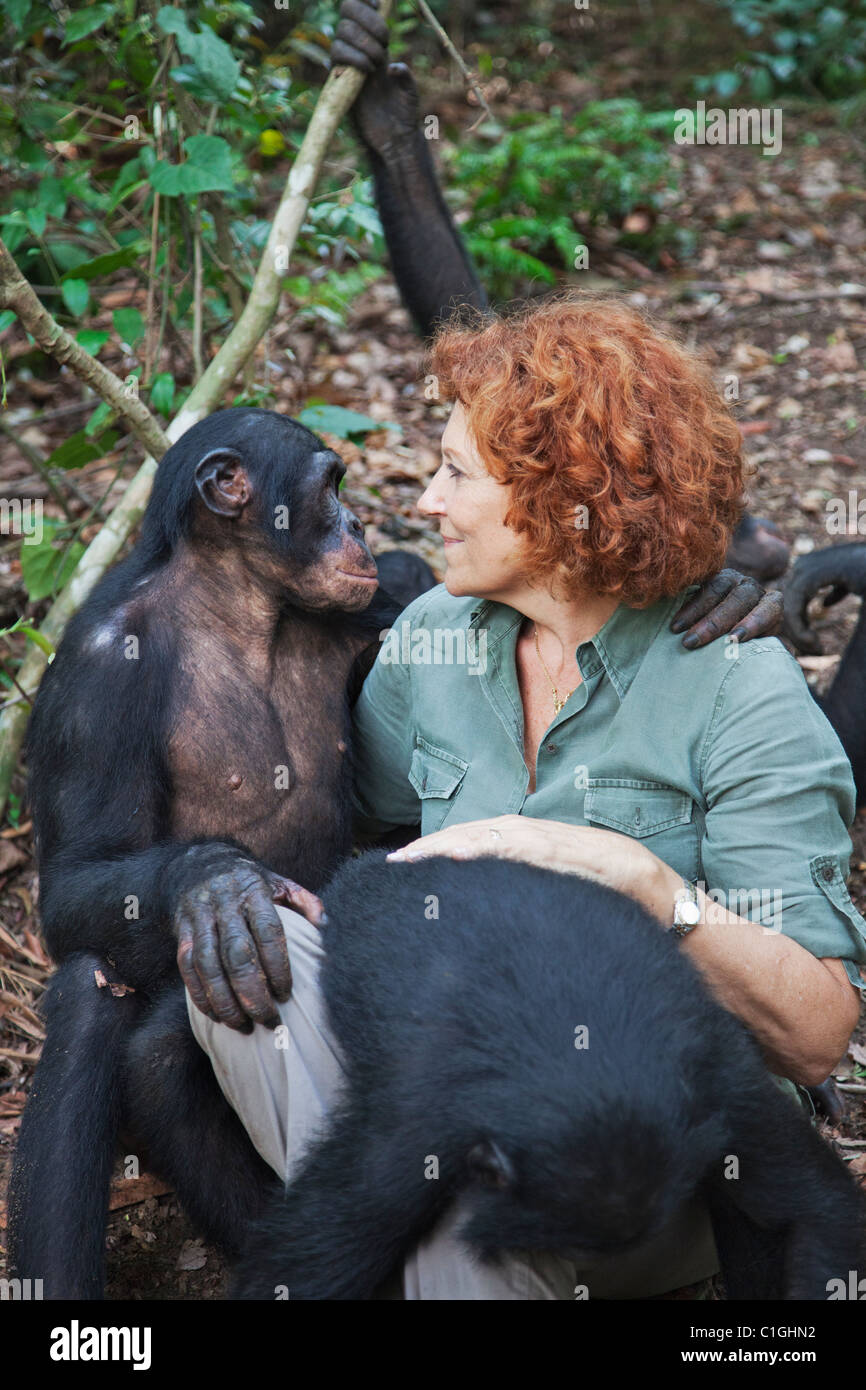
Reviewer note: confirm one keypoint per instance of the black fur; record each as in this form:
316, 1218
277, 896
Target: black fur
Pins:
459, 1037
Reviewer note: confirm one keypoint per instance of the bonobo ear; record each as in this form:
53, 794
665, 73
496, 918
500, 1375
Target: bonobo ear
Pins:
223, 482
493, 1166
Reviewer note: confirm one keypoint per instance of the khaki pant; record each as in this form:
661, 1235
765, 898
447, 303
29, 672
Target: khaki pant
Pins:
283, 1084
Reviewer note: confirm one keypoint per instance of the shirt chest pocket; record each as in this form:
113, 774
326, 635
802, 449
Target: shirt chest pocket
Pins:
437, 777
661, 816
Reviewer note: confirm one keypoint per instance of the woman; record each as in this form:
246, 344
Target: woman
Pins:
538, 707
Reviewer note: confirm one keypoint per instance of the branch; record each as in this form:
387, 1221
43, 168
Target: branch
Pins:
335, 98
17, 295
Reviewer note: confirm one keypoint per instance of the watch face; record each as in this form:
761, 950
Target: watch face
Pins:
688, 913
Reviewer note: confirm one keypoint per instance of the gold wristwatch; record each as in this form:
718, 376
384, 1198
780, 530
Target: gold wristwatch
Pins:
687, 912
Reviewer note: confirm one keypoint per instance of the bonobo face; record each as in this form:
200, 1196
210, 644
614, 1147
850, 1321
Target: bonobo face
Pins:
318, 541
273, 492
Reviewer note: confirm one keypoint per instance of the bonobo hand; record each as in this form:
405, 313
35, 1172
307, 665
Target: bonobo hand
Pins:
231, 948
385, 112
729, 603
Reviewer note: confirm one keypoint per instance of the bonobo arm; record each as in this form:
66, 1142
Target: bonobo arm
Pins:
430, 263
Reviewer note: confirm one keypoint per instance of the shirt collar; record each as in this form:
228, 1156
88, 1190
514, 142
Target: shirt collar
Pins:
618, 648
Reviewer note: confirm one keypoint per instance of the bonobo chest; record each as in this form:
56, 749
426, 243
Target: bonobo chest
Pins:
258, 746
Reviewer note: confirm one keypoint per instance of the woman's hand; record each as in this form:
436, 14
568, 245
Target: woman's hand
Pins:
585, 850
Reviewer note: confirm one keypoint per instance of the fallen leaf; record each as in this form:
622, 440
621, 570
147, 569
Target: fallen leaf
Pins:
192, 1256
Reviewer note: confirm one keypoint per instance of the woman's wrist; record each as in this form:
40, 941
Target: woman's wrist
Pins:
655, 885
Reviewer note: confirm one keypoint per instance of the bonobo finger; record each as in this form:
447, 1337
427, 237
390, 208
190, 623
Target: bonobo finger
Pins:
205, 959
762, 621
290, 894
719, 622
354, 45
705, 599
728, 615
267, 932
363, 14
344, 55
187, 974
239, 957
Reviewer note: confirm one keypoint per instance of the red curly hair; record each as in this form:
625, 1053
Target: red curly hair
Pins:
579, 402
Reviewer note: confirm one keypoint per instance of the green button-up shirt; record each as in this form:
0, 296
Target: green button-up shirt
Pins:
719, 759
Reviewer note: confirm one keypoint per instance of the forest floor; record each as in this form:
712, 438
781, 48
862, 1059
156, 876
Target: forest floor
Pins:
777, 241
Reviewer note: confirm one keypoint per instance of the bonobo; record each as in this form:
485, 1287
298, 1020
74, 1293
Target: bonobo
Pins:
432, 267
193, 726
541, 1039
841, 569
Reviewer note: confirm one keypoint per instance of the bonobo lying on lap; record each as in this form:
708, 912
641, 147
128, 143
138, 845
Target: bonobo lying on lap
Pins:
536, 1043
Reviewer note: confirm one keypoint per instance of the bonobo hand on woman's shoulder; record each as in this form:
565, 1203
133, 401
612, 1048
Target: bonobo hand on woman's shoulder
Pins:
729, 603
231, 947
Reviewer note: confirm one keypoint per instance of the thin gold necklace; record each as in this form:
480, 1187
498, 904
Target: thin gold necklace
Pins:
557, 702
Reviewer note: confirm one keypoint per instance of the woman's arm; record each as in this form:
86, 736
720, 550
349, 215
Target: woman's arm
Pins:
802, 1009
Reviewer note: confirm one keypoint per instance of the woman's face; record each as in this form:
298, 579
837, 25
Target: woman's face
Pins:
482, 555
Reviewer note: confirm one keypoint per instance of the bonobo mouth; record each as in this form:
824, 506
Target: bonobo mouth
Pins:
355, 574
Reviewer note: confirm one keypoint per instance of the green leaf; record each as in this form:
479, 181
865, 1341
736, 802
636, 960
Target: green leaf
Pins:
36, 219
335, 419
102, 413
6, 318
104, 265
34, 635
91, 339
76, 296
17, 12
128, 325
162, 393
726, 83
79, 25
208, 169
213, 59
47, 566
74, 452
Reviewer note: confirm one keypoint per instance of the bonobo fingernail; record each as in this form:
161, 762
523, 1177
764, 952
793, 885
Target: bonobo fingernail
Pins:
691, 641
678, 625
738, 634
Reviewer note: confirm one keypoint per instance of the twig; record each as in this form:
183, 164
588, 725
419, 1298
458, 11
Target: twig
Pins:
467, 75
50, 478
34, 457
197, 295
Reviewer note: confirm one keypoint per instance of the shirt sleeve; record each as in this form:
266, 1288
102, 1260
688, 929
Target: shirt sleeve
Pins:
382, 745
779, 803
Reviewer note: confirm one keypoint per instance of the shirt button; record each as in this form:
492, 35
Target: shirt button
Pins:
827, 873
637, 816
552, 748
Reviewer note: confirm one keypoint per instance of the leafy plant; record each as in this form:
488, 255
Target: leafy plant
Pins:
794, 45
546, 178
